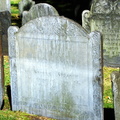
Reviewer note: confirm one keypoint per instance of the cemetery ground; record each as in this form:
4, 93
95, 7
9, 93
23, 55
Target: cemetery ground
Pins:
7, 114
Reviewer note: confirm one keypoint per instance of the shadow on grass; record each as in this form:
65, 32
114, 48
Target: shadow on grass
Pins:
9, 96
16, 21
15, 5
109, 114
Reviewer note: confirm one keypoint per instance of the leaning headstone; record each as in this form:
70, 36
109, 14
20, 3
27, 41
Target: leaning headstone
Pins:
5, 22
5, 5
25, 5
104, 17
56, 69
115, 77
38, 10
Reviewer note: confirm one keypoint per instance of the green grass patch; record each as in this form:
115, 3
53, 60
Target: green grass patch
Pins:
107, 85
14, 7
13, 2
10, 115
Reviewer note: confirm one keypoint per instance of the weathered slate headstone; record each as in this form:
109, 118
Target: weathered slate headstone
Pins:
56, 69
104, 16
115, 77
5, 22
25, 5
5, 5
38, 10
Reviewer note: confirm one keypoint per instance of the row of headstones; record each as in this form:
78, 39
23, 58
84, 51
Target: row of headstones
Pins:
48, 76
103, 17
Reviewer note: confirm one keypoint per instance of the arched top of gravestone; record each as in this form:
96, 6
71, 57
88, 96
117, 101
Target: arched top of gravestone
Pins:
50, 27
106, 6
38, 10
25, 5
5, 5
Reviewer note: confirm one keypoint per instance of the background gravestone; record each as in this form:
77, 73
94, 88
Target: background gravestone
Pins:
115, 77
53, 61
104, 16
38, 10
5, 5
25, 5
5, 22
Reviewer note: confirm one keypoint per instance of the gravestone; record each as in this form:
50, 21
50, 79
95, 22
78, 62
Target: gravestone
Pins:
5, 22
38, 10
104, 17
115, 77
25, 5
5, 5
56, 69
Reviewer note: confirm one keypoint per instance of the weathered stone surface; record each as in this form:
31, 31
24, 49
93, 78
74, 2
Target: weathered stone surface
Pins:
56, 69
25, 5
104, 17
5, 22
1, 78
115, 77
5, 5
38, 10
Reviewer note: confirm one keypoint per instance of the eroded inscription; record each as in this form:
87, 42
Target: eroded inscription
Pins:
111, 39
57, 72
